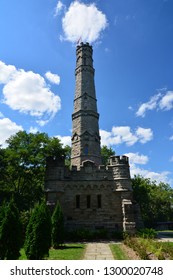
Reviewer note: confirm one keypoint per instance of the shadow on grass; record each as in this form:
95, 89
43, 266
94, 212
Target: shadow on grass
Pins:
64, 252
65, 247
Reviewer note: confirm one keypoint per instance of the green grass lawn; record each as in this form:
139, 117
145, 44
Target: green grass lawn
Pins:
66, 252
118, 252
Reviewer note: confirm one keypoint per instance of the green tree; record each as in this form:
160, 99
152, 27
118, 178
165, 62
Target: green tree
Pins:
10, 232
67, 150
106, 153
57, 227
22, 166
2, 212
38, 233
155, 200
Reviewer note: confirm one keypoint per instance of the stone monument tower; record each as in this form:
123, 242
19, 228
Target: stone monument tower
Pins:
91, 195
85, 135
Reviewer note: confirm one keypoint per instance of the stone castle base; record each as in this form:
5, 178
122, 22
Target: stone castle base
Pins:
94, 197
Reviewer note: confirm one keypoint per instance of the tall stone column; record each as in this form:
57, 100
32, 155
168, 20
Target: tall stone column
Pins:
85, 118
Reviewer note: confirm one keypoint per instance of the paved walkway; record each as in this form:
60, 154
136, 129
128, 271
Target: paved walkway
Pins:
98, 251
165, 236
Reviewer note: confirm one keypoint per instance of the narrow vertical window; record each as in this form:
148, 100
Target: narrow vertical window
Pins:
99, 201
88, 201
86, 150
77, 201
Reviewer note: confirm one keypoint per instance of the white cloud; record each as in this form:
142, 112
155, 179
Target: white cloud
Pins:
65, 140
154, 176
123, 134
42, 122
161, 101
53, 78
59, 8
83, 21
144, 134
28, 93
166, 102
135, 158
33, 130
7, 129
150, 105
6, 72
171, 138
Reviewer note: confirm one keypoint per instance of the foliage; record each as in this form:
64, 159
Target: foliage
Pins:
38, 233
10, 232
83, 234
80, 234
67, 150
2, 212
57, 227
24, 218
118, 234
147, 233
22, 166
133, 243
155, 200
150, 249
106, 153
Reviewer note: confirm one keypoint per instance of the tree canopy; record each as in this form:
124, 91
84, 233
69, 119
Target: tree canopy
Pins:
106, 153
22, 165
155, 200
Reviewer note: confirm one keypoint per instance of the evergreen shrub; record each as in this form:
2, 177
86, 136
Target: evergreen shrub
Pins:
57, 227
10, 232
38, 233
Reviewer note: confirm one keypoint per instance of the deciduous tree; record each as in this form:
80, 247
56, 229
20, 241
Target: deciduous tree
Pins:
155, 200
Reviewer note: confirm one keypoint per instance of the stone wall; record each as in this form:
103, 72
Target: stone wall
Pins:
92, 197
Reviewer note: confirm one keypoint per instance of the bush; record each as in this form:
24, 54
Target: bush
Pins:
82, 234
38, 233
10, 232
57, 227
138, 247
147, 233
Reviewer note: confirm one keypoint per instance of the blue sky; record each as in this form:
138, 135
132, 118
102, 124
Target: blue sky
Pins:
133, 58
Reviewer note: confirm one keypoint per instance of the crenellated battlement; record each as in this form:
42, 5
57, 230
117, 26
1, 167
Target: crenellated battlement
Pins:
115, 160
84, 45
